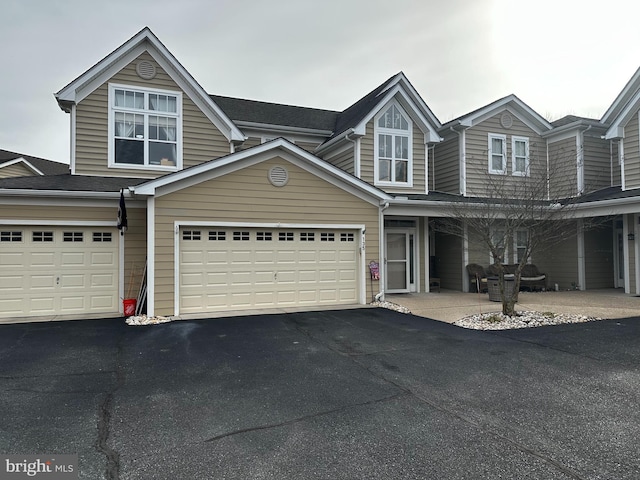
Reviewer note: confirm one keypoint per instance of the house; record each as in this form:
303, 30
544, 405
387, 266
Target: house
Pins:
234, 204
14, 164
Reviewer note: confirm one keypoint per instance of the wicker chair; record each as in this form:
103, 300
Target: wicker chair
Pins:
477, 278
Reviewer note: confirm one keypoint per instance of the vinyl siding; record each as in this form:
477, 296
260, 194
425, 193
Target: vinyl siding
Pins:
597, 163
559, 262
135, 251
563, 168
419, 161
632, 153
615, 163
308, 146
344, 160
247, 196
249, 143
202, 141
16, 170
447, 165
477, 155
598, 246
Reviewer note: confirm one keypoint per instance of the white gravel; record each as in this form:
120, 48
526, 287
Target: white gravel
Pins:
144, 320
498, 321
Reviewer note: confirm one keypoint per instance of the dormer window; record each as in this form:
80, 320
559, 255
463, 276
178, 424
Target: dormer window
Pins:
144, 128
393, 149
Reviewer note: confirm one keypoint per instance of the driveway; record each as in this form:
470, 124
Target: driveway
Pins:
351, 394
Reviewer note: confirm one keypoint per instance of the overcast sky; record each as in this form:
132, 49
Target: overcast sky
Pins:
559, 56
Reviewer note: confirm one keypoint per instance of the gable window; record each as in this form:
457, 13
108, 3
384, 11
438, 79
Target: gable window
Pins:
393, 151
520, 156
497, 154
144, 128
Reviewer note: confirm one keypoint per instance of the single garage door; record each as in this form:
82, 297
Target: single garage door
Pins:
58, 271
246, 268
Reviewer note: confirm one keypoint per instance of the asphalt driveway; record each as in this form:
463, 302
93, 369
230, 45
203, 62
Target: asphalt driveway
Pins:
352, 394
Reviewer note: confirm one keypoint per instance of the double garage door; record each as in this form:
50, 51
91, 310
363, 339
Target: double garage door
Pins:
58, 271
246, 268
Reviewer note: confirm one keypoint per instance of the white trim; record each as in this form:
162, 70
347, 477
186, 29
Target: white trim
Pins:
60, 223
465, 257
357, 161
503, 138
621, 162
21, 160
462, 153
427, 255
151, 256
582, 277
121, 247
625, 248
636, 245
580, 162
394, 133
111, 163
514, 172
616, 129
178, 224
72, 128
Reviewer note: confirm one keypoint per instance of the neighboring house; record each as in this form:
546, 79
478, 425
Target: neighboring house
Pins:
235, 204
14, 164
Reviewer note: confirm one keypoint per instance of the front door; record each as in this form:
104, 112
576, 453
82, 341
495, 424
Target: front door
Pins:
400, 261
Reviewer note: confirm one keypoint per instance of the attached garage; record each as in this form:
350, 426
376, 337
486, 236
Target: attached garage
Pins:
235, 268
58, 270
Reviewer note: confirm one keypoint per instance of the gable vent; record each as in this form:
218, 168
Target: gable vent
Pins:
278, 176
146, 70
506, 120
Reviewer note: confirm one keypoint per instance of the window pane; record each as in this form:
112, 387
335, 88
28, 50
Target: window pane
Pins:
401, 171
384, 170
402, 147
162, 154
496, 145
520, 149
162, 128
129, 151
496, 162
385, 148
520, 164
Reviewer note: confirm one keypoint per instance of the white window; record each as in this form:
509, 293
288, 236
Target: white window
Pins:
392, 146
520, 156
497, 154
144, 128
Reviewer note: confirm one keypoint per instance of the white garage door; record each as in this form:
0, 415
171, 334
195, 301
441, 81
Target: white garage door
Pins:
58, 271
246, 268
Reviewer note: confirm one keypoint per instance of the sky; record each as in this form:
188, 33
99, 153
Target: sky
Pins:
559, 56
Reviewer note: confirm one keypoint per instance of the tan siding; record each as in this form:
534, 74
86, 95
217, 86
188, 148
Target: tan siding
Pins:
598, 249
367, 155
308, 146
249, 143
247, 196
563, 168
344, 161
477, 151
202, 141
615, 163
559, 262
16, 170
632, 153
597, 163
447, 165
135, 251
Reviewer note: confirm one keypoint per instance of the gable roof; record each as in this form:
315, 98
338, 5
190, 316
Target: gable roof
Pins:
66, 185
252, 112
623, 108
511, 103
236, 161
143, 41
39, 166
355, 118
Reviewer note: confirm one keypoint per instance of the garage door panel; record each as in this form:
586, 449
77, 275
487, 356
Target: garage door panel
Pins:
57, 277
255, 268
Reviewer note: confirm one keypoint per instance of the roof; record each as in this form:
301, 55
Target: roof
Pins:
241, 110
47, 167
568, 119
69, 183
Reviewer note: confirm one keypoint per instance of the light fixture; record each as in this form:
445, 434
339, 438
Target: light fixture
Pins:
631, 236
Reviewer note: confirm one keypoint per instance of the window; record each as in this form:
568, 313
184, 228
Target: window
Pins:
7, 236
347, 237
217, 235
285, 236
264, 236
72, 237
497, 154
327, 237
520, 156
307, 236
42, 236
241, 236
191, 235
144, 128
101, 236
521, 241
393, 133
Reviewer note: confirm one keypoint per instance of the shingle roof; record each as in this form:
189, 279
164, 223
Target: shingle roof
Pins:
567, 119
68, 182
48, 167
239, 109
609, 193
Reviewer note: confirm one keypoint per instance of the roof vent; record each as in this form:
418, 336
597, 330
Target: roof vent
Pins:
278, 176
146, 70
506, 120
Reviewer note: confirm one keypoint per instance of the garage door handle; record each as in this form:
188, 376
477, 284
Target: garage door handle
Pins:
57, 280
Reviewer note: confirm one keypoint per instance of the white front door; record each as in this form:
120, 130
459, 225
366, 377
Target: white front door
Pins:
400, 261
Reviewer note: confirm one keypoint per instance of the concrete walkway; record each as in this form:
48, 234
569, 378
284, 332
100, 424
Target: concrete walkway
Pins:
449, 306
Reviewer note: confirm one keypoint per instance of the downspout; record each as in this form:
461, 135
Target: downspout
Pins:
356, 152
381, 246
